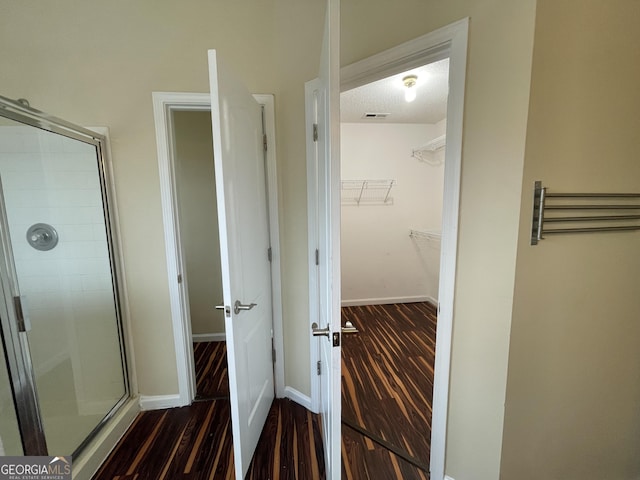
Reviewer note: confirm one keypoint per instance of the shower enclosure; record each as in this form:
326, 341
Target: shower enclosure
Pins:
63, 373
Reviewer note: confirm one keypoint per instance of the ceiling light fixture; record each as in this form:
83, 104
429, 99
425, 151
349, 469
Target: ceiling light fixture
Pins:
410, 87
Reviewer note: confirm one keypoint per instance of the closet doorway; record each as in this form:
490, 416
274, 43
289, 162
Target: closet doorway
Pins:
197, 216
393, 139
190, 222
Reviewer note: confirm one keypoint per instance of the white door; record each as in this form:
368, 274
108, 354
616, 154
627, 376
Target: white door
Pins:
323, 107
244, 242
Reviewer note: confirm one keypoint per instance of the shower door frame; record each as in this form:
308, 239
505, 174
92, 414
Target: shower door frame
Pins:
14, 337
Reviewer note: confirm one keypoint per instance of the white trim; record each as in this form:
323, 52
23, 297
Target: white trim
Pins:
449, 41
157, 402
208, 337
388, 300
268, 102
163, 104
447, 477
458, 34
420, 51
300, 398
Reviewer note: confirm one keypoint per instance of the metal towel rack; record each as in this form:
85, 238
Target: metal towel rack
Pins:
597, 212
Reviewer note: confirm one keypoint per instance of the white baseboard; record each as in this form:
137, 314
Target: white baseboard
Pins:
296, 396
208, 337
388, 300
447, 477
156, 402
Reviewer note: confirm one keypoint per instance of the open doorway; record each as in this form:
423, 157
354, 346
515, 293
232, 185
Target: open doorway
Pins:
393, 138
196, 206
188, 108
324, 212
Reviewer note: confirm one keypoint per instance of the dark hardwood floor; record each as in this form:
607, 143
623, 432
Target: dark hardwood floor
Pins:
192, 442
386, 402
212, 379
364, 461
387, 388
195, 442
290, 446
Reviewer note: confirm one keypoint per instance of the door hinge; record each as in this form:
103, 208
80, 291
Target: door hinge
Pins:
317, 257
270, 254
319, 367
20, 317
264, 141
273, 355
315, 132
179, 278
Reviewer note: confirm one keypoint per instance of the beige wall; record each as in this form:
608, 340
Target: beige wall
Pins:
196, 188
573, 391
380, 262
496, 104
96, 63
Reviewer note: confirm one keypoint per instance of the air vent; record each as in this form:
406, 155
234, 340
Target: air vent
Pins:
375, 115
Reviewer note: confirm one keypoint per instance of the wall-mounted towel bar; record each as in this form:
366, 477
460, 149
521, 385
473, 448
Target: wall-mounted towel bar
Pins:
582, 212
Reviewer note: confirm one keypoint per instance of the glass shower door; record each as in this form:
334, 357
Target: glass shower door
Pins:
57, 240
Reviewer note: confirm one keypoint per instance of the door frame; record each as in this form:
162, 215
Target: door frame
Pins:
449, 41
164, 103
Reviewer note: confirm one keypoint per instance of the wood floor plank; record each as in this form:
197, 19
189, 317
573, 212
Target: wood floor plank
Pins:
360, 463
275, 458
387, 383
195, 443
212, 379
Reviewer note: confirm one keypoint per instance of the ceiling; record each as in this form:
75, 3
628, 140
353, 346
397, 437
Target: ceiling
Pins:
387, 96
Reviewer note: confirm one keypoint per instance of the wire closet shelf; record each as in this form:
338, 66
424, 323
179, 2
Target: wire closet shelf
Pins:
426, 235
367, 192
